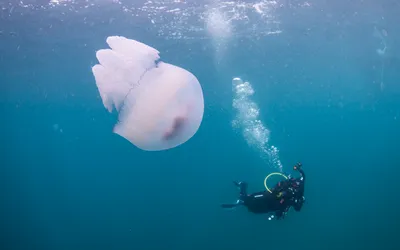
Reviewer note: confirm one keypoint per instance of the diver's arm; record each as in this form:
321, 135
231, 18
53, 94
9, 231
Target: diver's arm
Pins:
298, 167
301, 171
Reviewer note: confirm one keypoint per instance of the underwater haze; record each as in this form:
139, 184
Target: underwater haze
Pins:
322, 86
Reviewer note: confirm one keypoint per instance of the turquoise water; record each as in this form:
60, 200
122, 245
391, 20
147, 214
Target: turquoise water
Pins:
326, 95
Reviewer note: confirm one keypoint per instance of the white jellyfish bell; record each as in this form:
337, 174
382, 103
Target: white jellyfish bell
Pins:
160, 105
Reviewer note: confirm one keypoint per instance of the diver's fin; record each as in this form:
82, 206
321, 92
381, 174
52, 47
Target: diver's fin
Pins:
228, 205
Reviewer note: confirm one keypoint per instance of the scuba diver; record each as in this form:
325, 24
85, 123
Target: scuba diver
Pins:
287, 193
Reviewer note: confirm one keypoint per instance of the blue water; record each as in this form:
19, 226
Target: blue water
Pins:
68, 182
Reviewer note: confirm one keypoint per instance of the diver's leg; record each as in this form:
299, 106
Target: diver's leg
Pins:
242, 186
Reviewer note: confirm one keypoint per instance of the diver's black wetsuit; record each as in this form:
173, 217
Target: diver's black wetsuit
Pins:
260, 202
285, 194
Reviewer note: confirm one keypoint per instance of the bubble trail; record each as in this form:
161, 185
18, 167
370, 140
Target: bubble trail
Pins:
247, 119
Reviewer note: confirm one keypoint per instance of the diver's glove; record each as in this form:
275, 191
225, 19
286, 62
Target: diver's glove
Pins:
297, 166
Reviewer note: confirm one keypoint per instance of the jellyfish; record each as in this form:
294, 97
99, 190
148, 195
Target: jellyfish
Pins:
160, 105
